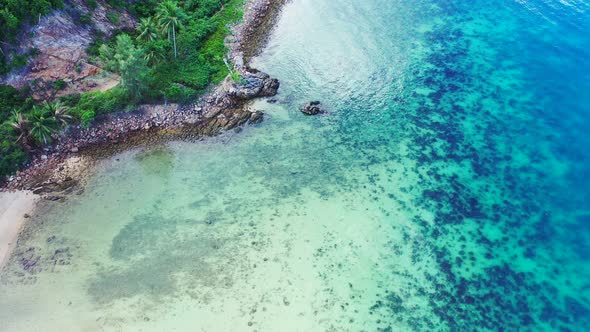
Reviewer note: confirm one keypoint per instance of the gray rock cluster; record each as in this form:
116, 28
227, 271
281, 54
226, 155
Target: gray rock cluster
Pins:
254, 84
312, 108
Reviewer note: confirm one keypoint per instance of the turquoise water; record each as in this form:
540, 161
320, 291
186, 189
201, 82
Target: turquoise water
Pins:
447, 189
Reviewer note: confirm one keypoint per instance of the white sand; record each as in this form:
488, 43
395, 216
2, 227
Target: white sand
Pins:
13, 207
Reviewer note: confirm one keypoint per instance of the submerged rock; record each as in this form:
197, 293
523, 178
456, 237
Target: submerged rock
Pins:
312, 108
256, 117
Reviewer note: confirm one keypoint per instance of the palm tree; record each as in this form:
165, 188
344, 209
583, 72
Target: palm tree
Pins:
42, 125
148, 30
170, 16
152, 56
20, 123
59, 112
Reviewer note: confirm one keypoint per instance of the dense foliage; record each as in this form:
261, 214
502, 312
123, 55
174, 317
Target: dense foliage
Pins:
176, 51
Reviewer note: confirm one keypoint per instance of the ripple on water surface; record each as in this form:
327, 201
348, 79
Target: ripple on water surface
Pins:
445, 190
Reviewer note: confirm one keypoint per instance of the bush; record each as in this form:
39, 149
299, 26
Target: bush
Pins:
59, 84
113, 17
144, 8
70, 100
18, 61
117, 3
12, 156
84, 19
86, 118
237, 77
9, 99
34, 52
92, 4
179, 93
99, 102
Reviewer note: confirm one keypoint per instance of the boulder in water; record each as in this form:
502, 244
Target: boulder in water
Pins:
312, 108
254, 84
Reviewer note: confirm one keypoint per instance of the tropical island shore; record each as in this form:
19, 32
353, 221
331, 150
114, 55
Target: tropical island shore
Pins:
60, 168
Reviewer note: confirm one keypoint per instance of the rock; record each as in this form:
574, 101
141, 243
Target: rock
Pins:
312, 108
74, 149
256, 117
38, 191
44, 157
270, 87
255, 84
55, 198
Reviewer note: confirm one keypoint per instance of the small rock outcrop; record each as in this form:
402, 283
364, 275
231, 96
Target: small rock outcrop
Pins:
254, 84
312, 108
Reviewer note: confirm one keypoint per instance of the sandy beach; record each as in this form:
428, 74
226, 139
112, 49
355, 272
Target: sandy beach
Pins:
13, 207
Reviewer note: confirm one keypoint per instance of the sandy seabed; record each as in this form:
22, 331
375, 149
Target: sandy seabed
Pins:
13, 208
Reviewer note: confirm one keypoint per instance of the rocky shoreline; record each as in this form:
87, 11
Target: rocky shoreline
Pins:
223, 108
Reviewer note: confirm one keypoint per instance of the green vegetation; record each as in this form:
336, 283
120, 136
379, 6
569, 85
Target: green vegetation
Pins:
13, 14
92, 4
113, 17
176, 51
128, 61
59, 84
27, 126
237, 77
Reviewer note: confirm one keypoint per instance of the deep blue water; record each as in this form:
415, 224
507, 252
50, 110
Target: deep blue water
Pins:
494, 97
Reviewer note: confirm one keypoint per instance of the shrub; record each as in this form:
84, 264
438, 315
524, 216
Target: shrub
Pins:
34, 52
117, 3
12, 158
179, 93
99, 102
84, 19
9, 99
237, 77
86, 118
92, 4
113, 17
70, 100
59, 84
18, 61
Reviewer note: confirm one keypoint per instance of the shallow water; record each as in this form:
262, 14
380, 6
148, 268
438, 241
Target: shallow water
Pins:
447, 189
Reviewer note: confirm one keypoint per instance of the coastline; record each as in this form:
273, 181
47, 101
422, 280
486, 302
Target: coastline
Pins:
14, 207
223, 108
61, 168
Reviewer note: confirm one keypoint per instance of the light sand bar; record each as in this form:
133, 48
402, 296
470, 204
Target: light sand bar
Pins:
13, 207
